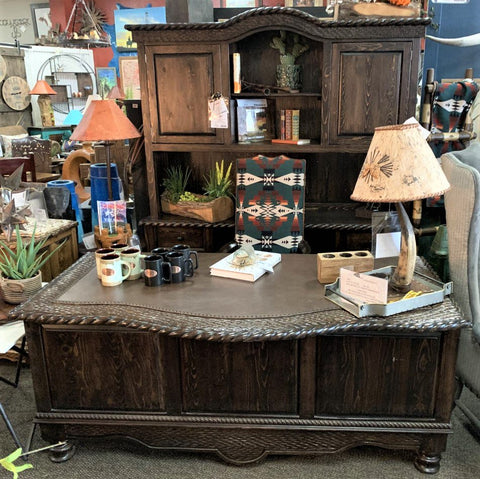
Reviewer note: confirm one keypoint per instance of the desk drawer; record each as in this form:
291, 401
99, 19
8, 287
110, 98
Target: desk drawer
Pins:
156, 235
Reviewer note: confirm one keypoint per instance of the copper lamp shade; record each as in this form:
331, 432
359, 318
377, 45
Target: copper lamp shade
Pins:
42, 88
104, 121
400, 166
116, 93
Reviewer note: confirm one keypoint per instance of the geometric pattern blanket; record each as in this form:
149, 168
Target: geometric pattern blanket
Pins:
270, 197
451, 103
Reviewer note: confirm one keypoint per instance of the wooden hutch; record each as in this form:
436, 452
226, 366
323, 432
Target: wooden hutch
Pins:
358, 73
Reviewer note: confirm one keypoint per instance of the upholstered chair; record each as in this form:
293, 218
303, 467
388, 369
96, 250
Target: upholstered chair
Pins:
270, 200
462, 205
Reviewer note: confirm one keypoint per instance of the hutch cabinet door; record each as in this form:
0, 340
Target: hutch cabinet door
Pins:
181, 79
373, 84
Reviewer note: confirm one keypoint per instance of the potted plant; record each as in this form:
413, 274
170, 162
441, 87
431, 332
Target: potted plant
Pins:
20, 275
215, 205
290, 48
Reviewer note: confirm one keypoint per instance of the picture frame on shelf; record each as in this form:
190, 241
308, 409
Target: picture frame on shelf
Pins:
129, 77
106, 80
41, 21
253, 123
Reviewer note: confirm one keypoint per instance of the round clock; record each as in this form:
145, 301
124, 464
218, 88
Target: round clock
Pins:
15, 93
3, 68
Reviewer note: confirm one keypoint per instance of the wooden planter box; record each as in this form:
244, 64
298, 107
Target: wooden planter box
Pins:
212, 211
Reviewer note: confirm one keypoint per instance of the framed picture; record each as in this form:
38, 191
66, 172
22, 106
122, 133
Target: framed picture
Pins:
130, 77
134, 16
252, 121
106, 80
41, 19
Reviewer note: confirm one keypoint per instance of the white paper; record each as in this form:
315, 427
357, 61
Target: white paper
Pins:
19, 198
218, 113
388, 244
363, 287
10, 333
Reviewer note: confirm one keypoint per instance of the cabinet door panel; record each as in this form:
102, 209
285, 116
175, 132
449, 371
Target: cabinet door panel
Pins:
184, 81
371, 87
377, 375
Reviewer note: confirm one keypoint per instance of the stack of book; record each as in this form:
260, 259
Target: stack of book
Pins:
227, 267
290, 128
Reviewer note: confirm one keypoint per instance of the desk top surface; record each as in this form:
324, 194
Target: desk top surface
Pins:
286, 304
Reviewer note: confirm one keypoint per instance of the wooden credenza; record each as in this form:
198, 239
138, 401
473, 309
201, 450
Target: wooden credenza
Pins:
240, 369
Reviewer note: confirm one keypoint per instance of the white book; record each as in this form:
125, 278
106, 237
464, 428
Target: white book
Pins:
264, 264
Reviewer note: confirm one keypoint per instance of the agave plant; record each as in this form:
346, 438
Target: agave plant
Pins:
25, 260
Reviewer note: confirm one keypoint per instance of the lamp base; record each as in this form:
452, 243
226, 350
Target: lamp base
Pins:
403, 275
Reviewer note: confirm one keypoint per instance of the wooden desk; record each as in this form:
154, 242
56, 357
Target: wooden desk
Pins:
241, 369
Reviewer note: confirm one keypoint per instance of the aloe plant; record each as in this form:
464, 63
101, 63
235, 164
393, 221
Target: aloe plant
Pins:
26, 259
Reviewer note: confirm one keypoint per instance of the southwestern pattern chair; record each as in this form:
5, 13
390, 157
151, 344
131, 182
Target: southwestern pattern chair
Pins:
270, 203
462, 206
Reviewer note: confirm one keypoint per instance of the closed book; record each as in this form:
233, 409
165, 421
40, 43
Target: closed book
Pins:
264, 263
295, 124
300, 141
288, 124
282, 124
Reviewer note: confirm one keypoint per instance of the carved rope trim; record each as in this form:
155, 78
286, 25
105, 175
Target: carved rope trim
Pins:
319, 423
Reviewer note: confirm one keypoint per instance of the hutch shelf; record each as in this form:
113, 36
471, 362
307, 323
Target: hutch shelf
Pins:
357, 74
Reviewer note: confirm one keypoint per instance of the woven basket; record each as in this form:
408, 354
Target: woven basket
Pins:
16, 291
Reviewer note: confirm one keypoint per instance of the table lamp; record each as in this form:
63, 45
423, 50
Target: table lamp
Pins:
44, 90
104, 121
400, 166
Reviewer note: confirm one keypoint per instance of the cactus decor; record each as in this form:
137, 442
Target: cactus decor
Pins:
290, 48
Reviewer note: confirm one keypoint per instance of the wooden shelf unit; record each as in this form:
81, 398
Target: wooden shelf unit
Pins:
357, 75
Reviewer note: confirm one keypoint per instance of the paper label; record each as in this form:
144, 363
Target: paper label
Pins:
388, 244
363, 287
218, 113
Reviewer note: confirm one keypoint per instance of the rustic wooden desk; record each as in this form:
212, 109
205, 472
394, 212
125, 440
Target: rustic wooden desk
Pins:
241, 369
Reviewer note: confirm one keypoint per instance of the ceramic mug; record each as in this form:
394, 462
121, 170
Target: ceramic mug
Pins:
119, 247
181, 267
132, 256
187, 252
98, 254
156, 270
112, 267
161, 251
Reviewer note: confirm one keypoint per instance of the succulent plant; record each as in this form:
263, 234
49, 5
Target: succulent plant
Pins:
26, 259
218, 182
176, 182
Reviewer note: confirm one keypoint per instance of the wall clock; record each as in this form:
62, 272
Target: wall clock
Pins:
3, 68
15, 93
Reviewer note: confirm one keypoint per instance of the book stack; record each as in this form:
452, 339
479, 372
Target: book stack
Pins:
290, 128
227, 268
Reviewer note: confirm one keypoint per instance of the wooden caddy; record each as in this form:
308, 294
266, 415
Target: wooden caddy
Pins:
329, 264
105, 240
